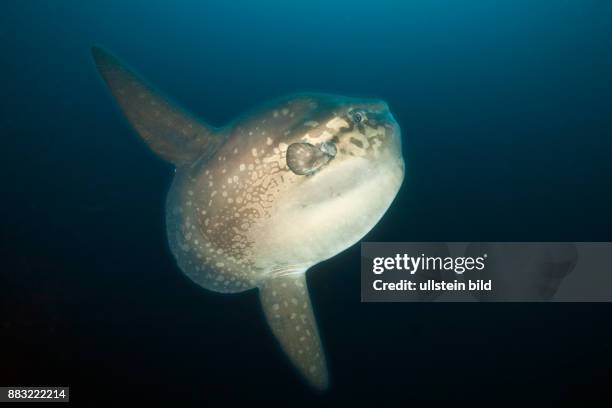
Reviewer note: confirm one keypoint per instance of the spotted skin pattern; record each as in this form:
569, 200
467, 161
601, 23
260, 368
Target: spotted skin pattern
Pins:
239, 217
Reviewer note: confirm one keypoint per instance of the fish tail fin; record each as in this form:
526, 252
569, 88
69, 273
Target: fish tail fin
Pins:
287, 307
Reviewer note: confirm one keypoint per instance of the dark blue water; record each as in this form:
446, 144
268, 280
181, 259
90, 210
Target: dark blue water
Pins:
506, 111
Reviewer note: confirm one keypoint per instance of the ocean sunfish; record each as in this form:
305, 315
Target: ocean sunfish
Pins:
258, 202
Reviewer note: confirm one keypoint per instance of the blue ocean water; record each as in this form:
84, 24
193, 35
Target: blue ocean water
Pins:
505, 109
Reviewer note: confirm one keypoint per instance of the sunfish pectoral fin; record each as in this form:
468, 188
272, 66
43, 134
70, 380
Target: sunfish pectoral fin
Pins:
171, 133
287, 307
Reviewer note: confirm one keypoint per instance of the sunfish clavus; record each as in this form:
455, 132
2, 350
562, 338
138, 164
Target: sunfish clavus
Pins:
258, 202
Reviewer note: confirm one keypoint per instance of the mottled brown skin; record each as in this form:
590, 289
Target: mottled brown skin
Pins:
228, 193
260, 201
216, 202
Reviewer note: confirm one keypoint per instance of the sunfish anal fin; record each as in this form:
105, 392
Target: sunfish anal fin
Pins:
171, 133
287, 307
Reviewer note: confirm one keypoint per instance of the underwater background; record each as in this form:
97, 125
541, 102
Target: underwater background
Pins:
506, 113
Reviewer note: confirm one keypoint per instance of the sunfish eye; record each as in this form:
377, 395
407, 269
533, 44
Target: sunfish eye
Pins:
357, 116
305, 158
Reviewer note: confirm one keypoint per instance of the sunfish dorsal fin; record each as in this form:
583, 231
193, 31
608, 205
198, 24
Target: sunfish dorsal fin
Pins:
287, 307
170, 132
